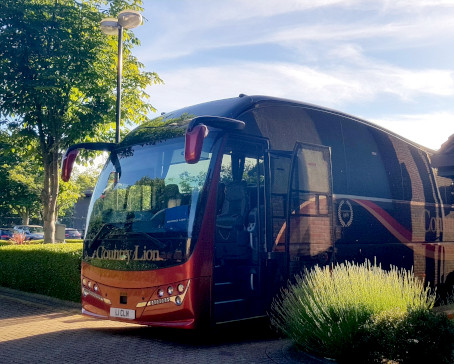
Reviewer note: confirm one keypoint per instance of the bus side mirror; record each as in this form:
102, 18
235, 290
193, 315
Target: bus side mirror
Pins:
197, 131
72, 152
67, 164
194, 143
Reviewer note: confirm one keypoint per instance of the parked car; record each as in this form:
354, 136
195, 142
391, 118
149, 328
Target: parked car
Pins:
32, 232
71, 233
6, 233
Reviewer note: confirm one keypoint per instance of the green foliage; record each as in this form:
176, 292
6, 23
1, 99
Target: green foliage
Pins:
36, 241
157, 130
73, 241
68, 195
86, 180
70, 192
418, 336
68, 241
58, 80
48, 269
424, 337
21, 176
327, 308
23, 193
60, 69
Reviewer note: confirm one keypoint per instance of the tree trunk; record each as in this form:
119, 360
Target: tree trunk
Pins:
25, 216
49, 194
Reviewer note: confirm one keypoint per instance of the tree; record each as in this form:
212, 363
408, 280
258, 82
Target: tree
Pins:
23, 192
86, 178
21, 176
59, 78
75, 189
68, 194
21, 179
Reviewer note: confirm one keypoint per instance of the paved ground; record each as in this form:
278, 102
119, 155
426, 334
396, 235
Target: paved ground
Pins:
38, 329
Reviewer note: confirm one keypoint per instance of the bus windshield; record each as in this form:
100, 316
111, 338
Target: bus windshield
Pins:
142, 211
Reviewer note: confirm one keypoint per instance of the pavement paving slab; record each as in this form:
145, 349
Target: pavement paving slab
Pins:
40, 329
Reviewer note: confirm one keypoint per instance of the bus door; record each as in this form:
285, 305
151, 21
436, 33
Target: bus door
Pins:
280, 162
239, 233
309, 239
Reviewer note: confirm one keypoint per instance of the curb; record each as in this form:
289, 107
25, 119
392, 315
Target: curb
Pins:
297, 356
288, 354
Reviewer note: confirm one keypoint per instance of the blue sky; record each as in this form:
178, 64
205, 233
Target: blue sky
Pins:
389, 62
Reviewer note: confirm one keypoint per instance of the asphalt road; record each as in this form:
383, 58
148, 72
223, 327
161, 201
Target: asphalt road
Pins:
38, 329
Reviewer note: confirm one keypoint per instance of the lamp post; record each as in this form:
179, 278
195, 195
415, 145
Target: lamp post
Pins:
127, 19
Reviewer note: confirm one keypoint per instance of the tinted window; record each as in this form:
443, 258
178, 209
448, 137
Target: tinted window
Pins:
429, 191
329, 128
390, 148
143, 209
285, 125
366, 172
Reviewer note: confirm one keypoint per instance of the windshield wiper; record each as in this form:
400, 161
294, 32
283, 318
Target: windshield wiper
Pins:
121, 235
138, 235
101, 234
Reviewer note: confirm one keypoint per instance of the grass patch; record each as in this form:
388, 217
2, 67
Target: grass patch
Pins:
328, 311
48, 269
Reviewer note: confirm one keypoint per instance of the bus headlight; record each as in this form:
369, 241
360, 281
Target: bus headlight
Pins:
178, 300
170, 290
180, 288
160, 292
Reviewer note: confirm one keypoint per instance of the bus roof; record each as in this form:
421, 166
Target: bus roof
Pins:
234, 107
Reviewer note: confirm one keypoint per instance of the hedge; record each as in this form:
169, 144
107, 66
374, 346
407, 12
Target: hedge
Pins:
48, 269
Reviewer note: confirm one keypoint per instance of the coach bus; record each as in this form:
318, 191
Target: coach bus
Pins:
201, 215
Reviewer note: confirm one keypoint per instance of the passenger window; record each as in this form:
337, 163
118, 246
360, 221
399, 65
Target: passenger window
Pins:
366, 173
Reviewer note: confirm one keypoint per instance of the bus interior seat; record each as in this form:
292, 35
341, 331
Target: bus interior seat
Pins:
235, 199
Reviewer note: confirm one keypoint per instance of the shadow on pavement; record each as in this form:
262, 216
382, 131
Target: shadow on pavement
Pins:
232, 333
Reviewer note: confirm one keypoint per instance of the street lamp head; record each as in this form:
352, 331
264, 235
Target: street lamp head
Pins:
109, 26
129, 19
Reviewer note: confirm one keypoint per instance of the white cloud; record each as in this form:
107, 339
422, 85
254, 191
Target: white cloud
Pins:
430, 130
332, 87
435, 82
351, 52
408, 31
194, 85
204, 25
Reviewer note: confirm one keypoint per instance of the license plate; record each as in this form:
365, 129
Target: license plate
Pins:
122, 313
